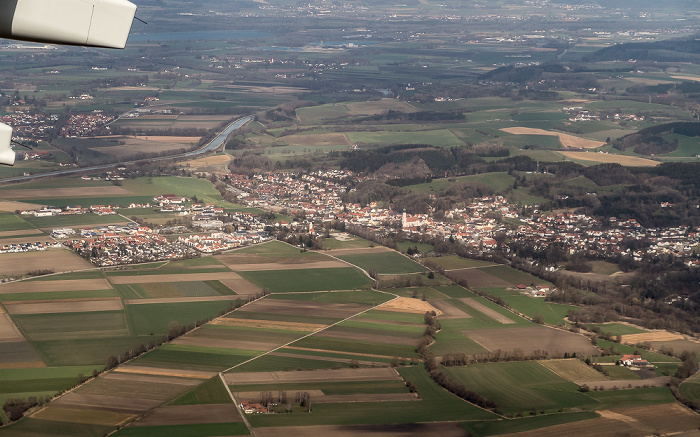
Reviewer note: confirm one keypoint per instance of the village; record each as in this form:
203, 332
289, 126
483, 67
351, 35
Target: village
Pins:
317, 198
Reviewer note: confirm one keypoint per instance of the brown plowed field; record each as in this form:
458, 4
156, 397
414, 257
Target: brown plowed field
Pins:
191, 414
478, 278
448, 310
129, 404
175, 277
14, 206
291, 307
329, 264
374, 338
8, 330
376, 374
565, 139
109, 304
663, 419
58, 260
228, 344
51, 286
405, 430
495, 315
4, 234
408, 305
83, 416
660, 381
46, 193
531, 338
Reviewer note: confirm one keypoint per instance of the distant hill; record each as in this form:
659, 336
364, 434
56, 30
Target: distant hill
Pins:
672, 50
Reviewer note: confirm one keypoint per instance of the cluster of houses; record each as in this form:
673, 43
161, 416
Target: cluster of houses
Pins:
115, 245
318, 198
29, 246
219, 241
29, 127
81, 125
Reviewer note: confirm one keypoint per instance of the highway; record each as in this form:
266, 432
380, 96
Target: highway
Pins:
211, 145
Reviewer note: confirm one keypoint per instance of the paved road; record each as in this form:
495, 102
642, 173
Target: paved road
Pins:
211, 145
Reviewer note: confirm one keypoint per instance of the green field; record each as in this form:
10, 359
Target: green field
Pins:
194, 430
617, 328
552, 313
12, 222
384, 263
300, 280
436, 404
351, 242
211, 391
488, 428
195, 357
155, 318
66, 326
520, 386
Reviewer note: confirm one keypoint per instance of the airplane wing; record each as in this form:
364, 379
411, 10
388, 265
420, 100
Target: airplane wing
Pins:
7, 155
94, 23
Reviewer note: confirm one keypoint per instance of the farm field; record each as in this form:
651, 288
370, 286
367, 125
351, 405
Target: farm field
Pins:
303, 280
383, 263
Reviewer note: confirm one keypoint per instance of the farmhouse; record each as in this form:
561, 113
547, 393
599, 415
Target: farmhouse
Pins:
633, 360
253, 408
